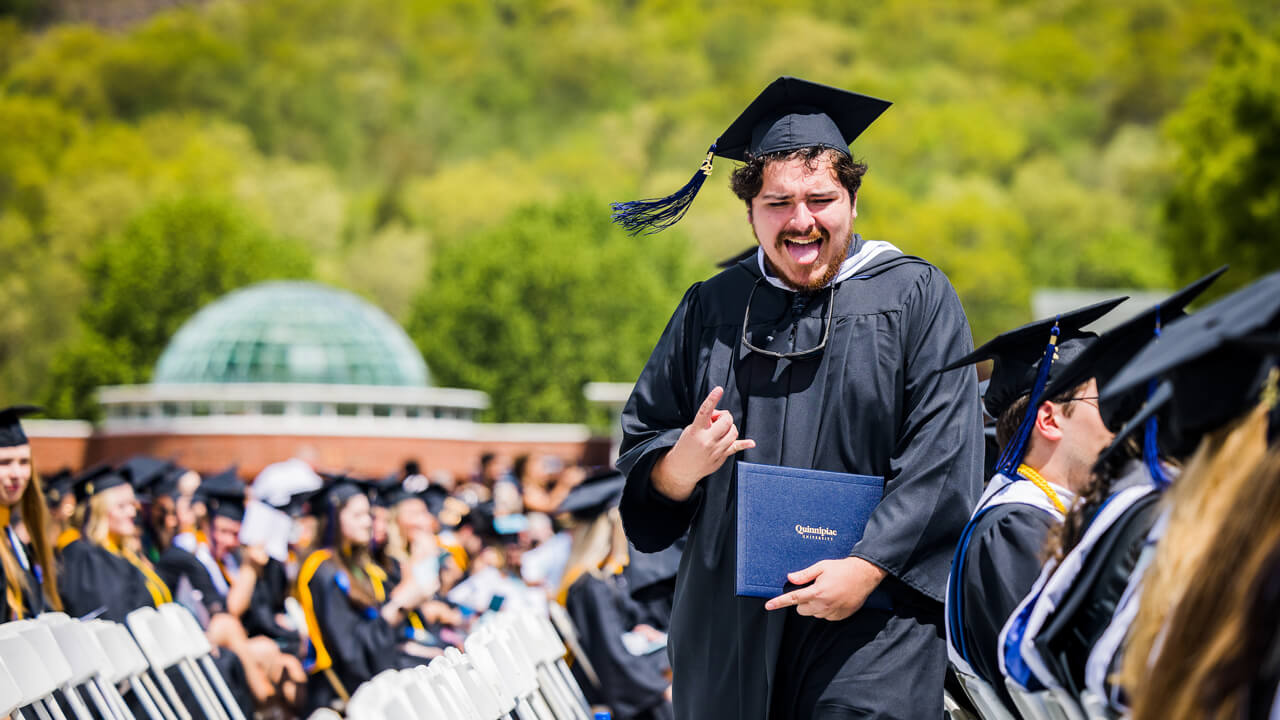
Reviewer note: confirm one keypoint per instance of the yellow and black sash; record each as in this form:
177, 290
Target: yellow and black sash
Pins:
155, 586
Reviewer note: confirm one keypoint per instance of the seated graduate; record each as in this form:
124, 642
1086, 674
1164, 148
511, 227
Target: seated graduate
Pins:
651, 580
103, 573
189, 564
413, 554
1219, 655
1097, 547
159, 516
1048, 446
544, 481
355, 620
634, 682
1220, 364
28, 575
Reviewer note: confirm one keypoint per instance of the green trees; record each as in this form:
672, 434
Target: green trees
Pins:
144, 282
1225, 202
554, 297
1024, 150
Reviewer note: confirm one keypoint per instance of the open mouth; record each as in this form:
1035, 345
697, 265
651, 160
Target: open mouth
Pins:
805, 250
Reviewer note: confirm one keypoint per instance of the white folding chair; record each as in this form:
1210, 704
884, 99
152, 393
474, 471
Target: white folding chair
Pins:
199, 651
455, 706
547, 650
170, 631
488, 672
421, 696
68, 671
35, 681
89, 663
553, 638
983, 697
10, 693
1032, 705
129, 668
486, 701
161, 656
564, 626
515, 670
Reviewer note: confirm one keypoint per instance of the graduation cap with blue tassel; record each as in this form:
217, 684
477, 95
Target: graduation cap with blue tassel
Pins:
791, 114
1219, 362
1106, 356
1025, 359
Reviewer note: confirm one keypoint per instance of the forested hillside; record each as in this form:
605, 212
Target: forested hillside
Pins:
454, 161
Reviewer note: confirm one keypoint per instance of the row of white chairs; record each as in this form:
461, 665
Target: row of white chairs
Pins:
513, 667
97, 662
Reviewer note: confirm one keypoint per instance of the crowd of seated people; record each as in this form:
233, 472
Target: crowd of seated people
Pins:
308, 582
1124, 560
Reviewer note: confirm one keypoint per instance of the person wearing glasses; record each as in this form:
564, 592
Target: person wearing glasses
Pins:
819, 351
1049, 444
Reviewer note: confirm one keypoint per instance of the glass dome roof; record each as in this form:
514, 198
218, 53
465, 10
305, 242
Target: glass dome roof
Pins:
291, 332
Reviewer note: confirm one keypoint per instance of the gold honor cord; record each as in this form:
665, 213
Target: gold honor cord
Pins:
1038, 480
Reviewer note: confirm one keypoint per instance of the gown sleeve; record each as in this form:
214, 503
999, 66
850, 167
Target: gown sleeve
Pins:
935, 475
657, 412
175, 564
1001, 565
629, 684
357, 642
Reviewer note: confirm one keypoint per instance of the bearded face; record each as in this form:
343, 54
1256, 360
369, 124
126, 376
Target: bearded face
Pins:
803, 218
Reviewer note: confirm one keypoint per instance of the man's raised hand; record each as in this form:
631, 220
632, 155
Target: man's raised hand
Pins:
703, 447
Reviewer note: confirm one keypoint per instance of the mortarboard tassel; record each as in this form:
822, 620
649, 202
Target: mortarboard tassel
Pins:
1011, 458
650, 216
1150, 450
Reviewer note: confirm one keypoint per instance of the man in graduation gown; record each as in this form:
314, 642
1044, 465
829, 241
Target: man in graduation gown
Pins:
818, 351
1049, 445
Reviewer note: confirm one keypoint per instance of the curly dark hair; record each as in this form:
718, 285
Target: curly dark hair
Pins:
747, 179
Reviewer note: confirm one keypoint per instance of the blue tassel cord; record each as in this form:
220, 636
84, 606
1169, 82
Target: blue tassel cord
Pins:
646, 217
1011, 458
1150, 450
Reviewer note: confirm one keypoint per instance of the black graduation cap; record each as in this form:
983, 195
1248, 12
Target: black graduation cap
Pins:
224, 492
1017, 353
789, 115
302, 502
144, 473
11, 434
595, 495
339, 489
58, 486
1231, 321
1154, 404
1025, 359
97, 479
1104, 357
389, 491
435, 496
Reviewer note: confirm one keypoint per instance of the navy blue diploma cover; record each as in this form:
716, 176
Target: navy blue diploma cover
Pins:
790, 518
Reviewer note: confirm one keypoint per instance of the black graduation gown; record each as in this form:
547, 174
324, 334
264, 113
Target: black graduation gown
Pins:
176, 564
651, 581
355, 642
1001, 564
33, 602
1086, 611
266, 602
94, 578
631, 686
871, 404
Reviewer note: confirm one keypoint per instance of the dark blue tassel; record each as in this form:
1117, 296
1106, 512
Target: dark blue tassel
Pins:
1011, 458
1150, 450
651, 216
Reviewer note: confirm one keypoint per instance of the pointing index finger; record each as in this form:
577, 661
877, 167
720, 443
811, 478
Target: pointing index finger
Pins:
703, 418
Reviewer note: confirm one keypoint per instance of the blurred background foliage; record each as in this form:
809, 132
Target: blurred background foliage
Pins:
452, 160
